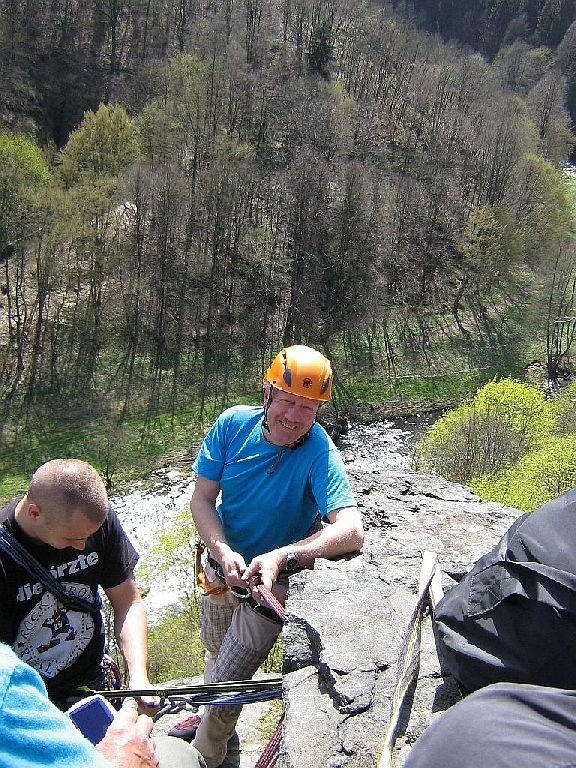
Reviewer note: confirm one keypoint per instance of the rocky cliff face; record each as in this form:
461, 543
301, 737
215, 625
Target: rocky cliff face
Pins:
347, 618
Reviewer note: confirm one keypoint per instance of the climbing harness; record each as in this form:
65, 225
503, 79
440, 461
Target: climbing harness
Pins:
409, 657
205, 576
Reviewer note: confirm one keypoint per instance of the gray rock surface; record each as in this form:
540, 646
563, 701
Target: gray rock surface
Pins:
347, 618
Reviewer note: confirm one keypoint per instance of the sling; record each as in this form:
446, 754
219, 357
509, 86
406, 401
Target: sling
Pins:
12, 547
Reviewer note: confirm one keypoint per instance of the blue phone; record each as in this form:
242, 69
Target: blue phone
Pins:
92, 716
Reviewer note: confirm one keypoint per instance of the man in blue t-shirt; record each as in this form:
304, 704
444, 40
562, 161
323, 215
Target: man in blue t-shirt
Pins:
267, 478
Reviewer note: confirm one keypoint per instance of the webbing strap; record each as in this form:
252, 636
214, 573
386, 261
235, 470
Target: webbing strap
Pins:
272, 601
14, 549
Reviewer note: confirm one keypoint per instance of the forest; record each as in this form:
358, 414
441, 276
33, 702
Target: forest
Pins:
187, 185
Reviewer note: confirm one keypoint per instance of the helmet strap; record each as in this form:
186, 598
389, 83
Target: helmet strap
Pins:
265, 425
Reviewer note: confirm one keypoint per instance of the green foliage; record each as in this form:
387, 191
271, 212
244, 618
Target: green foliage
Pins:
174, 555
269, 720
275, 658
174, 648
545, 211
505, 420
22, 161
489, 246
564, 407
106, 142
537, 477
24, 173
122, 452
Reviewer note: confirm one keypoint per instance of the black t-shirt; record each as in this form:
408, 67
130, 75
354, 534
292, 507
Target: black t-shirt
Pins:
65, 646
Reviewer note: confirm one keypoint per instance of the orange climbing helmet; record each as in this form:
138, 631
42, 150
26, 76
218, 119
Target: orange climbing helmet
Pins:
301, 371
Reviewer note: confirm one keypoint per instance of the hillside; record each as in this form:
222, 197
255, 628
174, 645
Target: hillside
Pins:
187, 187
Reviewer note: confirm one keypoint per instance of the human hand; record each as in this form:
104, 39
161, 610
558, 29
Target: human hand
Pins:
264, 569
127, 743
233, 566
147, 705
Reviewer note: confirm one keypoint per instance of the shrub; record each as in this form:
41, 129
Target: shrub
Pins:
174, 647
537, 477
505, 420
564, 405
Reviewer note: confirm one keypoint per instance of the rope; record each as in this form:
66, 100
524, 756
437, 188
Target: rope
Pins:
203, 691
409, 658
175, 704
271, 751
272, 601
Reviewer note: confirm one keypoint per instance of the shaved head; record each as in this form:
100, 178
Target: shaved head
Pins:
61, 486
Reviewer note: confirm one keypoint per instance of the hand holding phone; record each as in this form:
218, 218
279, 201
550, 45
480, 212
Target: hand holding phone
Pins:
127, 743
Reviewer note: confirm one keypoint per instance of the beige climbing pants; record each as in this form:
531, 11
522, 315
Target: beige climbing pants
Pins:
237, 640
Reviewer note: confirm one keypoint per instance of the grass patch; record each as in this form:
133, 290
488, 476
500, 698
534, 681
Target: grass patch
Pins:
269, 720
434, 366
180, 632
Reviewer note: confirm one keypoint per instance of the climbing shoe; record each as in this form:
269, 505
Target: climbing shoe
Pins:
186, 729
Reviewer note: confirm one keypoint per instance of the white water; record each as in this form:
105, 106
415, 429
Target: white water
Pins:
144, 515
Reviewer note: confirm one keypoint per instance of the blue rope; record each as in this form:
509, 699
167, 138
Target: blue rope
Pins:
178, 703
12, 547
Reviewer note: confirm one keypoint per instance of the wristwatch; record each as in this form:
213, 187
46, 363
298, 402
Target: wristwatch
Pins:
292, 560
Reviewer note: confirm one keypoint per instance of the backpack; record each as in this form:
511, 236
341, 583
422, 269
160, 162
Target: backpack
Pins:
512, 618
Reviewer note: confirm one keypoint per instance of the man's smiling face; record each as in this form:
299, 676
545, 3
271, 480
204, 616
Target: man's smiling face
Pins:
289, 417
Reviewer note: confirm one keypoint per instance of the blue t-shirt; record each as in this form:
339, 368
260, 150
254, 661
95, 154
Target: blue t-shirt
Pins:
270, 495
33, 733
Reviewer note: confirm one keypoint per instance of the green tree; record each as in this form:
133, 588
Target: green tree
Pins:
23, 168
106, 142
543, 210
489, 253
24, 177
539, 476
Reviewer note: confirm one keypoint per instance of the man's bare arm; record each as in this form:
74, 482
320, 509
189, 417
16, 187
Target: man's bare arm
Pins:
344, 534
203, 507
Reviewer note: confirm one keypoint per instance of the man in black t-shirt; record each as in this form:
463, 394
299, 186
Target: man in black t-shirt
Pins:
66, 523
